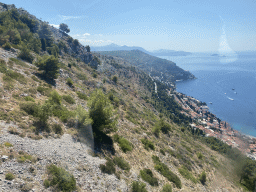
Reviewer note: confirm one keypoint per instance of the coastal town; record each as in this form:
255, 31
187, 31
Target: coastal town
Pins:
212, 126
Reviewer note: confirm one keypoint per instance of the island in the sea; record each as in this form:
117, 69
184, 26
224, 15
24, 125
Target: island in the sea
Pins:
218, 55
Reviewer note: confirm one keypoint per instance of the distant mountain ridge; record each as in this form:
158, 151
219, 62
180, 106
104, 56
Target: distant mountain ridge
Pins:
160, 52
160, 69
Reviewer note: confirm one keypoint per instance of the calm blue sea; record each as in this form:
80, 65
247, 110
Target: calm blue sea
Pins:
215, 83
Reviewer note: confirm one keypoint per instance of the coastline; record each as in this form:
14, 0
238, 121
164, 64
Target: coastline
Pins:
212, 126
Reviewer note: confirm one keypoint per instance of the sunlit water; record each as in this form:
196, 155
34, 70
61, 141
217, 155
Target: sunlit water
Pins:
230, 86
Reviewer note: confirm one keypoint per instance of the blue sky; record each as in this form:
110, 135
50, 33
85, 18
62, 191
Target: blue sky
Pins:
190, 25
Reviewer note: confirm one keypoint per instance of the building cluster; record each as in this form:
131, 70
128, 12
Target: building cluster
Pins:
212, 126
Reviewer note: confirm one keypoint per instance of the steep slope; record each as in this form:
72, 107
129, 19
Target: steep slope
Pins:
160, 69
100, 127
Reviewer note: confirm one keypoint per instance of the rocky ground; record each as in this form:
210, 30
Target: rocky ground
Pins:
64, 151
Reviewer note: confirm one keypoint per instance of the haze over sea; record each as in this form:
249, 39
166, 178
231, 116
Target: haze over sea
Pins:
215, 83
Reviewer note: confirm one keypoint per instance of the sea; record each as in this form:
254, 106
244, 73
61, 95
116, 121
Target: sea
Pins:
227, 86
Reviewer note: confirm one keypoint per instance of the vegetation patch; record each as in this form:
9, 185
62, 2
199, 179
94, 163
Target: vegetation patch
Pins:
148, 144
9, 176
19, 62
138, 187
167, 188
28, 98
60, 179
199, 155
57, 129
44, 90
147, 175
202, 177
23, 157
164, 170
7, 144
124, 144
69, 99
186, 174
120, 162
70, 83
81, 95
109, 168
13, 130
3, 66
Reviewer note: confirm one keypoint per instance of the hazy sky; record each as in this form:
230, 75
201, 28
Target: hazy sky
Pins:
192, 25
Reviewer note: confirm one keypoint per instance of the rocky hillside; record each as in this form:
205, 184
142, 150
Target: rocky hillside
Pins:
72, 124
160, 69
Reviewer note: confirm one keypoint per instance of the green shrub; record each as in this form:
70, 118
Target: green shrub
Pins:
62, 113
8, 82
162, 151
28, 98
44, 90
156, 159
138, 187
50, 67
26, 55
148, 144
70, 83
35, 78
124, 144
163, 126
9, 176
7, 46
101, 112
114, 79
46, 183
30, 108
167, 188
69, 99
147, 175
120, 162
7, 144
109, 168
156, 130
61, 179
202, 177
3, 66
55, 98
22, 158
186, 174
94, 75
57, 129
81, 95
199, 155
164, 170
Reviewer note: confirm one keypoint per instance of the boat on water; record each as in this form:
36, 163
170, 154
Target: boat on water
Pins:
210, 102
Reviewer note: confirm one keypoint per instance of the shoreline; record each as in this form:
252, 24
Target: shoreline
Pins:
212, 126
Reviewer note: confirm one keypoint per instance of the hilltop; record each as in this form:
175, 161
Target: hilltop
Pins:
73, 120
